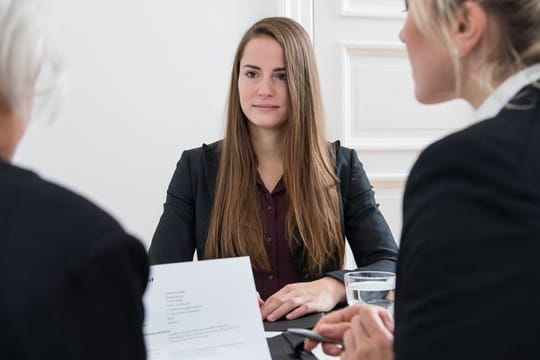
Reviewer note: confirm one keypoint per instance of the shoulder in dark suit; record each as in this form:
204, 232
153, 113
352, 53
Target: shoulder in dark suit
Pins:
183, 226
72, 280
468, 279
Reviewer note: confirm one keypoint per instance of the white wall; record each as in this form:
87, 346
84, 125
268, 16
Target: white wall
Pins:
148, 78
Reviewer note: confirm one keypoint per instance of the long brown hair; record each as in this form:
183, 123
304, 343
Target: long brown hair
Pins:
236, 226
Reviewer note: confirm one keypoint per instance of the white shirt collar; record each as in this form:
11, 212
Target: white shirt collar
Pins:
506, 91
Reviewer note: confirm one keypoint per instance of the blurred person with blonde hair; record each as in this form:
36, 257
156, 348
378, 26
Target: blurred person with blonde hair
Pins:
467, 276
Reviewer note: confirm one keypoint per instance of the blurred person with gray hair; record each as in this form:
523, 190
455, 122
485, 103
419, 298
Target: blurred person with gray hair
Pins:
71, 278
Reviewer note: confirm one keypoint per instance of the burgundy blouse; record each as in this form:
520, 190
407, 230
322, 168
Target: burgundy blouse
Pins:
282, 260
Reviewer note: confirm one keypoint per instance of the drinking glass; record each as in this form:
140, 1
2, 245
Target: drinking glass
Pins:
370, 287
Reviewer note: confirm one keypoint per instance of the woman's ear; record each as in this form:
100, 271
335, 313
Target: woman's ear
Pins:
469, 28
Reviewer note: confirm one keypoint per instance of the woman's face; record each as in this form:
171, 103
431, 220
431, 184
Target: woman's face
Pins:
431, 64
262, 84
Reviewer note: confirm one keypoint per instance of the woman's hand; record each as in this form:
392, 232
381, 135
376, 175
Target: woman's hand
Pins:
366, 331
298, 299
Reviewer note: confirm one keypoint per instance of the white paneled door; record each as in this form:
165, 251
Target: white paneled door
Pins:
369, 93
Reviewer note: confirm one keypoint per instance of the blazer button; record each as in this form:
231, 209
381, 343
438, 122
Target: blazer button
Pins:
270, 277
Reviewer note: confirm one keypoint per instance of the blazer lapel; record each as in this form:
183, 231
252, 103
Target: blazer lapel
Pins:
210, 166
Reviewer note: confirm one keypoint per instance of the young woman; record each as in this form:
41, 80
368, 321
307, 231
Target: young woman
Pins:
274, 189
467, 273
72, 279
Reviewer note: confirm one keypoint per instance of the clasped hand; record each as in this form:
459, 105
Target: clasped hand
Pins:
298, 299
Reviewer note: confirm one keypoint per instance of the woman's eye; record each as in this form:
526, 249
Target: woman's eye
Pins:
281, 76
251, 74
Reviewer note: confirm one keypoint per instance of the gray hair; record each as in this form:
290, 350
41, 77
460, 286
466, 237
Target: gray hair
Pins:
26, 58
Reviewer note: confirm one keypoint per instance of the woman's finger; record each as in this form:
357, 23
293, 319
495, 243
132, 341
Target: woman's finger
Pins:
301, 310
332, 349
349, 342
388, 320
271, 304
373, 324
286, 307
332, 331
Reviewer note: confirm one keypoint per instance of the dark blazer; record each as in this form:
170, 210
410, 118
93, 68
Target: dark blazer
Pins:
183, 227
71, 280
468, 274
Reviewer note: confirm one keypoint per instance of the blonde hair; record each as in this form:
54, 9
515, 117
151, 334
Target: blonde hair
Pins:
24, 56
236, 226
518, 27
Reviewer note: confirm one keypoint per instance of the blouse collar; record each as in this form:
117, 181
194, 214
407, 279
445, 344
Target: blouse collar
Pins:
506, 91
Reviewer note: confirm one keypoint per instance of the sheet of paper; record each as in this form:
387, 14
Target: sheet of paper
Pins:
203, 310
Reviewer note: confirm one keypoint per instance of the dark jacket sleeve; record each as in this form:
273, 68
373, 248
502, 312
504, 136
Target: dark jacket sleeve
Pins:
174, 239
366, 230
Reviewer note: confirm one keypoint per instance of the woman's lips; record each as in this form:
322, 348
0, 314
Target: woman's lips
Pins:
264, 107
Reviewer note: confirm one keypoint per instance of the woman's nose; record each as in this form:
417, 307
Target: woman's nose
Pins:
266, 87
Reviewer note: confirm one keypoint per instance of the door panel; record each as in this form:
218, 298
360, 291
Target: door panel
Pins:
369, 94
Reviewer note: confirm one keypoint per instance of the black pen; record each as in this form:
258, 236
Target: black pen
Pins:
310, 334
